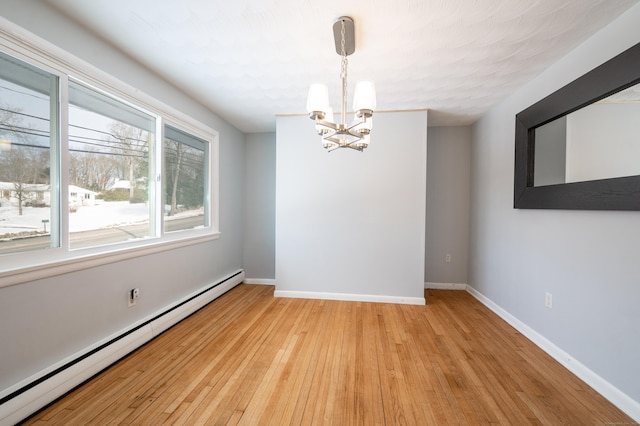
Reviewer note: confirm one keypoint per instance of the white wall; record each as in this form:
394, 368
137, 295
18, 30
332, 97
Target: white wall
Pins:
588, 260
351, 223
44, 321
448, 184
260, 207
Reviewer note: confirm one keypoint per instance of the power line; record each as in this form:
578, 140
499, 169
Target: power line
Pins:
30, 145
72, 138
33, 95
109, 146
43, 134
77, 126
191, 161
107, 153
113, 135
99, 140
24, 114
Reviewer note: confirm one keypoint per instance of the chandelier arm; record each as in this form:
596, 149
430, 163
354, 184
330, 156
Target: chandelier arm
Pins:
327, 124
332, 138
358, 121
357, 134
335, 137
333, 148
356, 148
355, 123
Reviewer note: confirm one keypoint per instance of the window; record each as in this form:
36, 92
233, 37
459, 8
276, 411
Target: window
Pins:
185, 171
28, 150
106, 175
109, 146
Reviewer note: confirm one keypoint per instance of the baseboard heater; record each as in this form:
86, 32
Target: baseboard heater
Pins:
38, 391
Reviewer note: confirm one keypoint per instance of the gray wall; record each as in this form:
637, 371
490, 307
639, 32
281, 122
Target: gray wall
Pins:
44, 321
351, 222
260, 206
447, 205
588, 260
448, 183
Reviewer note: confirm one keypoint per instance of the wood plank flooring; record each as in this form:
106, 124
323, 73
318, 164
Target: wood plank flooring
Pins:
249, 358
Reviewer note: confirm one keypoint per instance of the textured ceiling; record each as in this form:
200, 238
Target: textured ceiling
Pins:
249, 60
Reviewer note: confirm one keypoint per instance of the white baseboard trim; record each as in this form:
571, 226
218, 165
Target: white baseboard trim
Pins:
260, 281
351, 297
618, 398
44, 387
445, 286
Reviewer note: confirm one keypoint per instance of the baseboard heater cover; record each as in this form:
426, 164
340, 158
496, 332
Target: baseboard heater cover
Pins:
40, 390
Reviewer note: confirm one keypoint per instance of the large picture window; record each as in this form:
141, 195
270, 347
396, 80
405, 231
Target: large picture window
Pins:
84, 171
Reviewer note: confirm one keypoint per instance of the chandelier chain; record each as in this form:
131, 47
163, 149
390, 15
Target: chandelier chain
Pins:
343, 71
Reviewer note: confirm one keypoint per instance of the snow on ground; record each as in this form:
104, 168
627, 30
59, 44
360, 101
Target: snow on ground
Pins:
107, 214
102, 215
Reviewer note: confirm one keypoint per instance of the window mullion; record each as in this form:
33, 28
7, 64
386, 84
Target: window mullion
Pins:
156, 187
61, 176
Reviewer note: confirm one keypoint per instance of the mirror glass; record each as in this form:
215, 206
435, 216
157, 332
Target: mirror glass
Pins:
599, 141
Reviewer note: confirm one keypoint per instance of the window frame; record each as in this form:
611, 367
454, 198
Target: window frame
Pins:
26, 266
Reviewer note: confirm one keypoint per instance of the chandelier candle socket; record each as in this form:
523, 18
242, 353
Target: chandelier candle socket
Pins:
340, 135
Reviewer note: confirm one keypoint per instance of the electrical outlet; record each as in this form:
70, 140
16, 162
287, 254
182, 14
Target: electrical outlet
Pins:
134, 293
447, 258
548, 300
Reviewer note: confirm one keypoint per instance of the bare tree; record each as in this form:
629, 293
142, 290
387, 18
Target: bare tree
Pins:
105, 168
133, 146
184, 171
17, 168
19, 163
175, 153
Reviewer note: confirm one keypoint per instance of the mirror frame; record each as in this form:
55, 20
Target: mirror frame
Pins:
622, 193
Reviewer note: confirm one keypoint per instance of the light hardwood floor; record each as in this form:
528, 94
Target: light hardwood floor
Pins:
249, 358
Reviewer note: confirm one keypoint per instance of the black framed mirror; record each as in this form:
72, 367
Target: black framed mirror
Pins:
567, 180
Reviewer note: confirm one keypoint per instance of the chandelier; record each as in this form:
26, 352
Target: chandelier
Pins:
340, 135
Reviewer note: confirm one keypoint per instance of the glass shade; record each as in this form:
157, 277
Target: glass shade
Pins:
328, 116
318, 99
365, 96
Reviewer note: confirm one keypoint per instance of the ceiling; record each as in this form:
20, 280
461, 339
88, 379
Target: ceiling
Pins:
249, 60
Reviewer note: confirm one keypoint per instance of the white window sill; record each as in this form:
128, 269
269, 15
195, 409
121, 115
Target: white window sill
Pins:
85, 259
